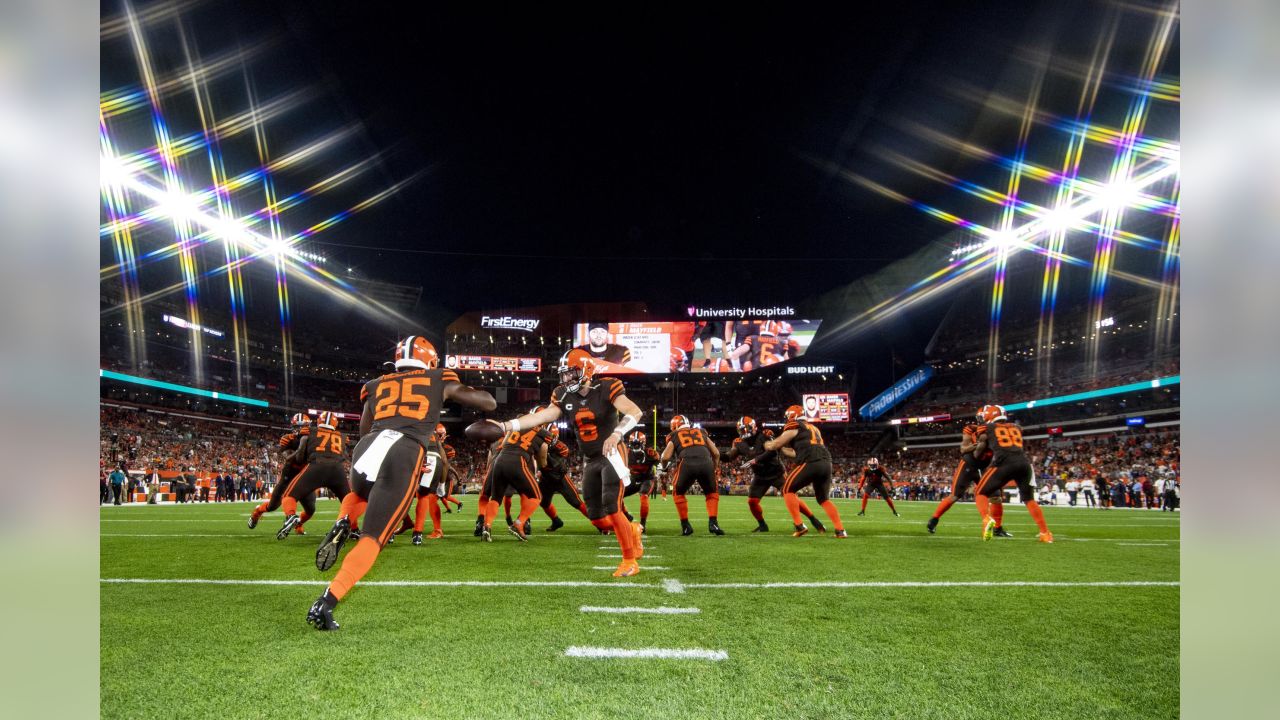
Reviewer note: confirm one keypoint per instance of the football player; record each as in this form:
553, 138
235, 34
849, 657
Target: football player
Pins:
878, 479
520, 456
401, 410
766, 470
602, 415
801, 440
599, 347
967, 473
640, 461
287, 447
1009, 463
432, 481
322, 454
698, 462
555, 479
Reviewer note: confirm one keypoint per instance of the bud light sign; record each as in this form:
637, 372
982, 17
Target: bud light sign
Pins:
900, 391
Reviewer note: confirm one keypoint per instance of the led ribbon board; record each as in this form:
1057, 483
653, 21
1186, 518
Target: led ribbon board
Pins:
173, 387
1118, 390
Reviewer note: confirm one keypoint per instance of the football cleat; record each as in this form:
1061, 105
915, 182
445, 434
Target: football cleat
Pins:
556, 524
356, 534
253, 520
327, 553
627, 568
290, 523
321, 616
895, 514
801, 531
1001, 532
517, 529
391, 539
861, 513
714, 529
639, 535
818, 526
762, 527
417, 538
988, 528
485, 534
932, 526
685, 528
1046, 537
528, 527
841, 534
436, 534
479, 527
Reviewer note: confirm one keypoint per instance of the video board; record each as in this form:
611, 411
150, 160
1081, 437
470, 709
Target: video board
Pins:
495, 363
826, 407
732, 346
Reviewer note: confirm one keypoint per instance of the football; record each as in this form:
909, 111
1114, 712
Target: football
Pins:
484, 431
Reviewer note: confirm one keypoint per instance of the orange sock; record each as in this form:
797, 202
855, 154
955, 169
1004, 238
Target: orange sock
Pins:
682, 507
984, 506
1037, 514
420, 512
865, 498
804, 509
289, 505
644, 508
490, 512
451, 499
354, 566
834, 514
258, 511
622, 531
527, 507
792, 502
943, 506
713, 505
756, 511
433, 507
603, 523
303, 520
506, 505
550, 510
582, 508
358, 512
891, 507
997, 513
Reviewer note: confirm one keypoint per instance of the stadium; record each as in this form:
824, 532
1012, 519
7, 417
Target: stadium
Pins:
777, 366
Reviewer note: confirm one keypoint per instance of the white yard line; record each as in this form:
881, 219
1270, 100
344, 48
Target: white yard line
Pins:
928, 584
640, 610
646, 653
1143, 544
672, 585
383, 583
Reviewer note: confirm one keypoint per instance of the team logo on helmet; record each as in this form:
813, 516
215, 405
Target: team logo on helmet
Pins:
679, 360
441, 431
795, 412
992, 413
327, 420
416, 351
678, 422
638, 438
746, 426
577, 368
873, 462
300, 419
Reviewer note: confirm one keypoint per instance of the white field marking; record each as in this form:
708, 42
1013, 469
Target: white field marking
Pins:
642, 567
383, 583
646, 653
182, 535
673, 586
931, 584
1143, 544
619, 555
640, 610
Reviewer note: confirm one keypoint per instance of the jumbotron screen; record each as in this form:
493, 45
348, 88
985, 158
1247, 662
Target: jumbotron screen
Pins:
826, 407
684, 346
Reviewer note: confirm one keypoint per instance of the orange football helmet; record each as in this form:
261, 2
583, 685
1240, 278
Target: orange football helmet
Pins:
300, 419
770, 328
416, 351
795, 412
678, 422
784, 327
441, 432
992, 413
638, 439
746, 426
576, 368
873, 463
327, 420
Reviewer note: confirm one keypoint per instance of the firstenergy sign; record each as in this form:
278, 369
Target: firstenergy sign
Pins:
506, 322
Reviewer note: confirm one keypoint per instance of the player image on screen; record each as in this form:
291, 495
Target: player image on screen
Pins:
599, 347
811, 407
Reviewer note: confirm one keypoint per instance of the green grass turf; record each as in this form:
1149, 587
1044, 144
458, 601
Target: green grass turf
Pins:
244, 651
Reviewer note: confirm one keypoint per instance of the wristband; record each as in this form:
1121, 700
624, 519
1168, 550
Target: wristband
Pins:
628, 422
511, 425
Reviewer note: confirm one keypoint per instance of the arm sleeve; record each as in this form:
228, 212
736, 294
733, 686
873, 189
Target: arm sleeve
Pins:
615, 388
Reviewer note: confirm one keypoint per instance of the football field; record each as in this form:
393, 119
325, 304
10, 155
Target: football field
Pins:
204, 618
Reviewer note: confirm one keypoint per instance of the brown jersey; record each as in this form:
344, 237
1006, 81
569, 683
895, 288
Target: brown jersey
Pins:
289, 444
690, 442
324, 445
1004, 439
409, 402
593, 416
526, 443
808, 442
